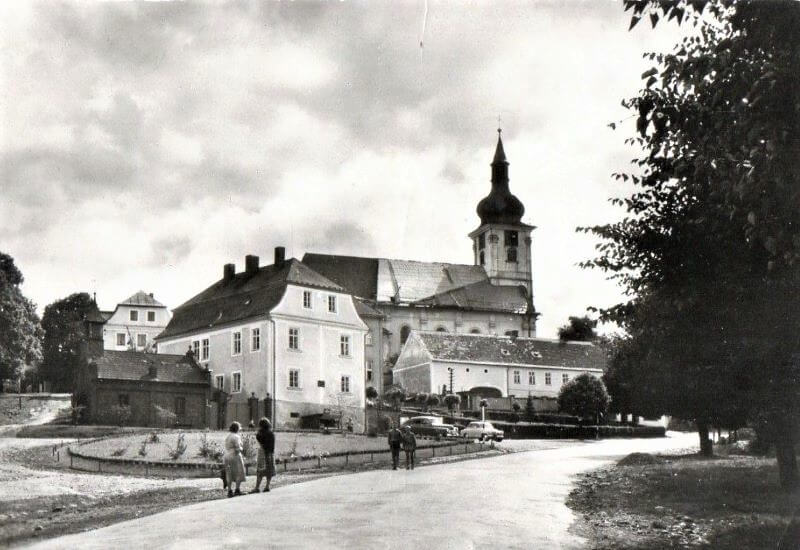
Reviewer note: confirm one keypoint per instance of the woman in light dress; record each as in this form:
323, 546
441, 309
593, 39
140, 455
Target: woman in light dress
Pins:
233, 460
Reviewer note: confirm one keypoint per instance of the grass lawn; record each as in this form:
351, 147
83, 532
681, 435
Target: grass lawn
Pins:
286, 444
727, 502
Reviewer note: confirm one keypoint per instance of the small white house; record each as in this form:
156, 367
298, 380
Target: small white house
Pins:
134, 323
479, 366
281, 340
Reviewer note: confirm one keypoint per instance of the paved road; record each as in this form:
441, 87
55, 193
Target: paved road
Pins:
510, 501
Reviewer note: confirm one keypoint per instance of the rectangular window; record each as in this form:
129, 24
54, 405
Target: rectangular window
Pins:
236, 382
481, 241
294, 378
180, 407
219, 381
134, 315
141, 340
512, 238
237, 343
531, 378
369, 370
151, 316
516, 377
547, 379
196, 349
345, 384
124, 400
564, 378
344, 346
204, 350
120, 338
368, 339
307, 299
332, 304
294, 338
255, 339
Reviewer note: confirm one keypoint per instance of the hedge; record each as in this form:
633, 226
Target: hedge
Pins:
524, 430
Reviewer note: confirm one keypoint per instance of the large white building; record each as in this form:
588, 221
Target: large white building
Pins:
280, 340
134, 323
493, 295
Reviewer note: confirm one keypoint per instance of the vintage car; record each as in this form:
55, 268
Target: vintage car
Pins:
431, 426
482, 431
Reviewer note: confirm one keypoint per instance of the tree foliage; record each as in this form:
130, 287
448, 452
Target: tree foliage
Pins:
452, 400
578, 329
20, 330
708, 251
63, 335
584, 396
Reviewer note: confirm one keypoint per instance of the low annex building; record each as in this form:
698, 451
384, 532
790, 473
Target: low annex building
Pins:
485, 366
281, 341
157, 390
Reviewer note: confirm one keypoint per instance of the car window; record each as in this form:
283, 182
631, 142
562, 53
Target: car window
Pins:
474, 425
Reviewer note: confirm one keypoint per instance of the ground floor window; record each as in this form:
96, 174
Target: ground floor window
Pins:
516, 377
564, 378
141, 340
219, 381
236, 382
531, 378
120, 338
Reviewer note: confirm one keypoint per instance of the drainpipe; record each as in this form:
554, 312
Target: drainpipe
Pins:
274, 370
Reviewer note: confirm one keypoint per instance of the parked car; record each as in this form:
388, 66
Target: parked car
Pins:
431, 426
482, 431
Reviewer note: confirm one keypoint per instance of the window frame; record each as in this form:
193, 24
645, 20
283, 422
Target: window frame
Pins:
180, 411
235, 341
511, 237
531, 378
548, 379
344, 345
219, 382
368, 338
511, 255
565, 378
294, 338
233, 381
151, 314
123, 339
293, 375
333, 302
308, 303
139, 337
369, 369
517, 377
344, 384
205, 349
255, 339
133, 315
196, 349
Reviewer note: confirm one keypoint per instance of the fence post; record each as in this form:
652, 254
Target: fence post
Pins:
319, 462
346, 458
434, 451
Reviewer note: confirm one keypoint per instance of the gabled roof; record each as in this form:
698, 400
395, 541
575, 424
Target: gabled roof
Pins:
503, 350
244, 296
388, 280
481, 296
365, 310
106, 315
142, 298
135, 365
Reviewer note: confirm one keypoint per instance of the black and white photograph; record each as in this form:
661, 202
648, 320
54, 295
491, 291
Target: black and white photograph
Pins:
429, 274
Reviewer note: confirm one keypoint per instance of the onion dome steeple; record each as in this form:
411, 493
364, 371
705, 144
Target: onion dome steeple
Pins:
500, 206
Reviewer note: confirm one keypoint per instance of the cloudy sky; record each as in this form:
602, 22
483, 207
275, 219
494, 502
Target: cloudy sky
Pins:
144, 145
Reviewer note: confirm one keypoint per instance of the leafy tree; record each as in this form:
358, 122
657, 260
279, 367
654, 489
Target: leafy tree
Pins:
63, 336
578, 329
395, 394
452, 400
422, 399
433, 400
530, 409
708, 252
584, 396
371, 393
20, 331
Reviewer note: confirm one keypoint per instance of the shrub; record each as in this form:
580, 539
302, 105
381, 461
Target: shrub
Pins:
530, 409
564, 431
383, 423
120, 414
180, 447
584, 396
395, 394
119, 452
153, 437
143, 448
452, 401
372, 393
516, 407
372, 432
249, 446
209, 449
165, 417
433, 400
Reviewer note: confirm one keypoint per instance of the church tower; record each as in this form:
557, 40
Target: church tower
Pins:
502, 243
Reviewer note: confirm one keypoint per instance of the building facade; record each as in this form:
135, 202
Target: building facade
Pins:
479, 366
134, 323
280, 340
492, 296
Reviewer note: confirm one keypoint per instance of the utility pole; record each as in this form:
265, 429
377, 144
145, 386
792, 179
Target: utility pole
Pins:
450, 370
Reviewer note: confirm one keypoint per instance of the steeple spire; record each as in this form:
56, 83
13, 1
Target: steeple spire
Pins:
499, 153
500, 206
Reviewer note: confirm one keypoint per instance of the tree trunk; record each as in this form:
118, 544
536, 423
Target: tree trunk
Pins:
706, 446
784, 452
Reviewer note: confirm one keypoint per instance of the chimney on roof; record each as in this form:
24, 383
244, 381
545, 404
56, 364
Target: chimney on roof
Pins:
152, 371
280, 255
250, 264
151, 294
228, 271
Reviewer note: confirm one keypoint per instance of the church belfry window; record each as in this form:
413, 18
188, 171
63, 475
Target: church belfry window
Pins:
511, 255
482, 258
481, 241
512, 238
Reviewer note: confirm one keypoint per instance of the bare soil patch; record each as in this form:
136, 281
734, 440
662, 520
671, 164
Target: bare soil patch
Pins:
685, 501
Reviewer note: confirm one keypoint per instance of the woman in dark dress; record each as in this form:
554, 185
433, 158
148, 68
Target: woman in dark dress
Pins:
266, 454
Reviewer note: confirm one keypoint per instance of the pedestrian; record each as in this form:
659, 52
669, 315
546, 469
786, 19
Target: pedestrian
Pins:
395, 441
266, 454
409, 446
233, 460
